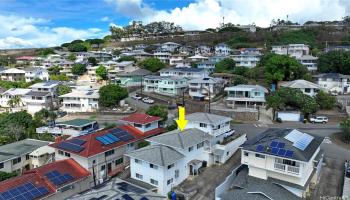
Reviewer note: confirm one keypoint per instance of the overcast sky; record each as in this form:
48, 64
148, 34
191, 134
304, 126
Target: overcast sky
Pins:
36, 23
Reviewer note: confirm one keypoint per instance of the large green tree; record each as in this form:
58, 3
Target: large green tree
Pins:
77, 47
158, 110
226, 65
152, 64
78, 69
292, 97
102, 72
127, 58
63, 89
282, 68
325, 100
92, 61
345, 127
110, 95
334, 61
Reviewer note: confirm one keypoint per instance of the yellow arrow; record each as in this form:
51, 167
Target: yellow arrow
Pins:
181, 122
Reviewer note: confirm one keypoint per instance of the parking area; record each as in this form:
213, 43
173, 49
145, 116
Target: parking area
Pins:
331, 181
202, 187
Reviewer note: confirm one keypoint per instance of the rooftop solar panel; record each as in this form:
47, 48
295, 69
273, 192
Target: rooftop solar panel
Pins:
90, 93
259, 148
303, 142
113, 137
144, 198
281, 145
70, 147
24, 191
102, 140
126, 138
127, 197
57, 178
77, 141
274, 150
273, 144
281, 152
289, 153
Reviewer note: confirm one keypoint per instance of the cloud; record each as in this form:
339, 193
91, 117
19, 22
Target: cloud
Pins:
105, 19
24, 32
203, 14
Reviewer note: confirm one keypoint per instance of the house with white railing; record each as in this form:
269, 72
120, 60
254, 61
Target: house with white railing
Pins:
205, 88
289, 158
245, 96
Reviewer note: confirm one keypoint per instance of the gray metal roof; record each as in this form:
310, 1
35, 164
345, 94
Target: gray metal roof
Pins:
276, 134
37, 93
300, 84
16, 149
157, 154
181, 139
207, 118
138, 72
245, 187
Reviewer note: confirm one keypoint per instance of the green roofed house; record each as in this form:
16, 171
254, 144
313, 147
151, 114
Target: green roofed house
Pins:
15, 157
72, 128
133, 78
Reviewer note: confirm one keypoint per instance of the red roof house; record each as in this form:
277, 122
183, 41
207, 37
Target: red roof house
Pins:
44, 181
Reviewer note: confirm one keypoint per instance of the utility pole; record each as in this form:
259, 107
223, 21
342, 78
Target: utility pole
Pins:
141, 83
183, 98
209, 100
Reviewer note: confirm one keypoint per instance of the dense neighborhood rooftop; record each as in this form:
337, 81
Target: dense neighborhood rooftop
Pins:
22, 147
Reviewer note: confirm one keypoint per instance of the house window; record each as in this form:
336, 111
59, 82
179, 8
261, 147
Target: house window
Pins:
200, 145
16, 160
169, 181
66, 188
1, 165
108, 153
27, 157
138, 125
60, 152
138, 161
246, 153
139, 176
177, 172
154, 182
259, 155
170, 166
147, 125
307, 90
202, 125
103, 167
67, 154
119, 161
190, 149
153, 166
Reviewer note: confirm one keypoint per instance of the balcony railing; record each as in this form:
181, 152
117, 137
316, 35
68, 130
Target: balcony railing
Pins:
292, 169
287, 168
279, 166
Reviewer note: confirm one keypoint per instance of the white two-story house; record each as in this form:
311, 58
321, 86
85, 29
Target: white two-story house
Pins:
334, 82
165, 85
80, 101
185, 72
170, 158
12, 74
246, 59
245, 95
36, 73
222, 49
309, 61
35, 101
287, 157
170, 46
205, 88
293, 50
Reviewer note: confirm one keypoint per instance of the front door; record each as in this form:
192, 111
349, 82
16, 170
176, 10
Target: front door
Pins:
191, 170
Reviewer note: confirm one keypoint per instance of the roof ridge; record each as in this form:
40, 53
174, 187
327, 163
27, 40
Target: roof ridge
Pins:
180, 139
161, 154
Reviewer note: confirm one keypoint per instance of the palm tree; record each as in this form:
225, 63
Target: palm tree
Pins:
15, 101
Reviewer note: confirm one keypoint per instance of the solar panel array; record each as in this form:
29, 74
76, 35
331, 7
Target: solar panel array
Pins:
115, 135
27, 191
275, 148
57, 178
71, 147
300, 140
77, 141
126, 187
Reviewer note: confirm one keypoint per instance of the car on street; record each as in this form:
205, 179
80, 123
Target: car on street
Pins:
148, 100
136, 97
319, 119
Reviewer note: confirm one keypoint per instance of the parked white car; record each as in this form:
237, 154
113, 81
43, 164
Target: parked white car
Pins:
136, 97
148, 100
319, 119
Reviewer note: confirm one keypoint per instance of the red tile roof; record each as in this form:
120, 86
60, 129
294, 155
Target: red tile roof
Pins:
37, 176
140, 118
93, 146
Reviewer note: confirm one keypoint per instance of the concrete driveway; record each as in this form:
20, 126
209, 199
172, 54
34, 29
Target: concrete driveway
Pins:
204, 185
